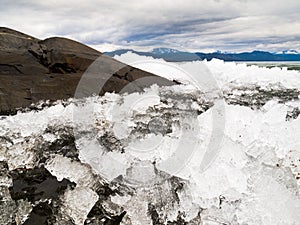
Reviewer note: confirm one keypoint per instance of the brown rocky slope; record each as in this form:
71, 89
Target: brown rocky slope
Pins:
32, 70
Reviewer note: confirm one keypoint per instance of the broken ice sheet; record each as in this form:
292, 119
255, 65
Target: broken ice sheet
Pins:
111, 155
252, 179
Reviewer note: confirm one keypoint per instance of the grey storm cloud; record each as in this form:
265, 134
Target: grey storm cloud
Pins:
195, 25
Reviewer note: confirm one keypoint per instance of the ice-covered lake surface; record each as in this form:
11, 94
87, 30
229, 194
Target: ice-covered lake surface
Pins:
222, 147
289, 65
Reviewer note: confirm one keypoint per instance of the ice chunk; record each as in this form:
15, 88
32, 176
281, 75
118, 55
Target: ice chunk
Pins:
77, 203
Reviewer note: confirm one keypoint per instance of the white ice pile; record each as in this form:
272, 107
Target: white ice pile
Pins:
224, 73
234, 164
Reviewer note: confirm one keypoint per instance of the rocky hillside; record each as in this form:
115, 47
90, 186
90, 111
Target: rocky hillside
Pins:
32, 70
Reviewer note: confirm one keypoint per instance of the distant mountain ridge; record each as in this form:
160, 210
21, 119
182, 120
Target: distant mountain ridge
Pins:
176, 55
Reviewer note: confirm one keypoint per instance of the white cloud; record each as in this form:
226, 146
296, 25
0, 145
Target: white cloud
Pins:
229, 25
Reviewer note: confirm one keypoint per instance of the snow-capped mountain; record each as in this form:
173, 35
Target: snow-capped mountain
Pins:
164, 51
289, 52
167, 54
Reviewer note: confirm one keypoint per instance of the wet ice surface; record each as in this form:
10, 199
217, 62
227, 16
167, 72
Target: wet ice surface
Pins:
148, 158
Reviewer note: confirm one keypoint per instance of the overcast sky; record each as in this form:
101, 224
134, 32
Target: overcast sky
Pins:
193, 25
